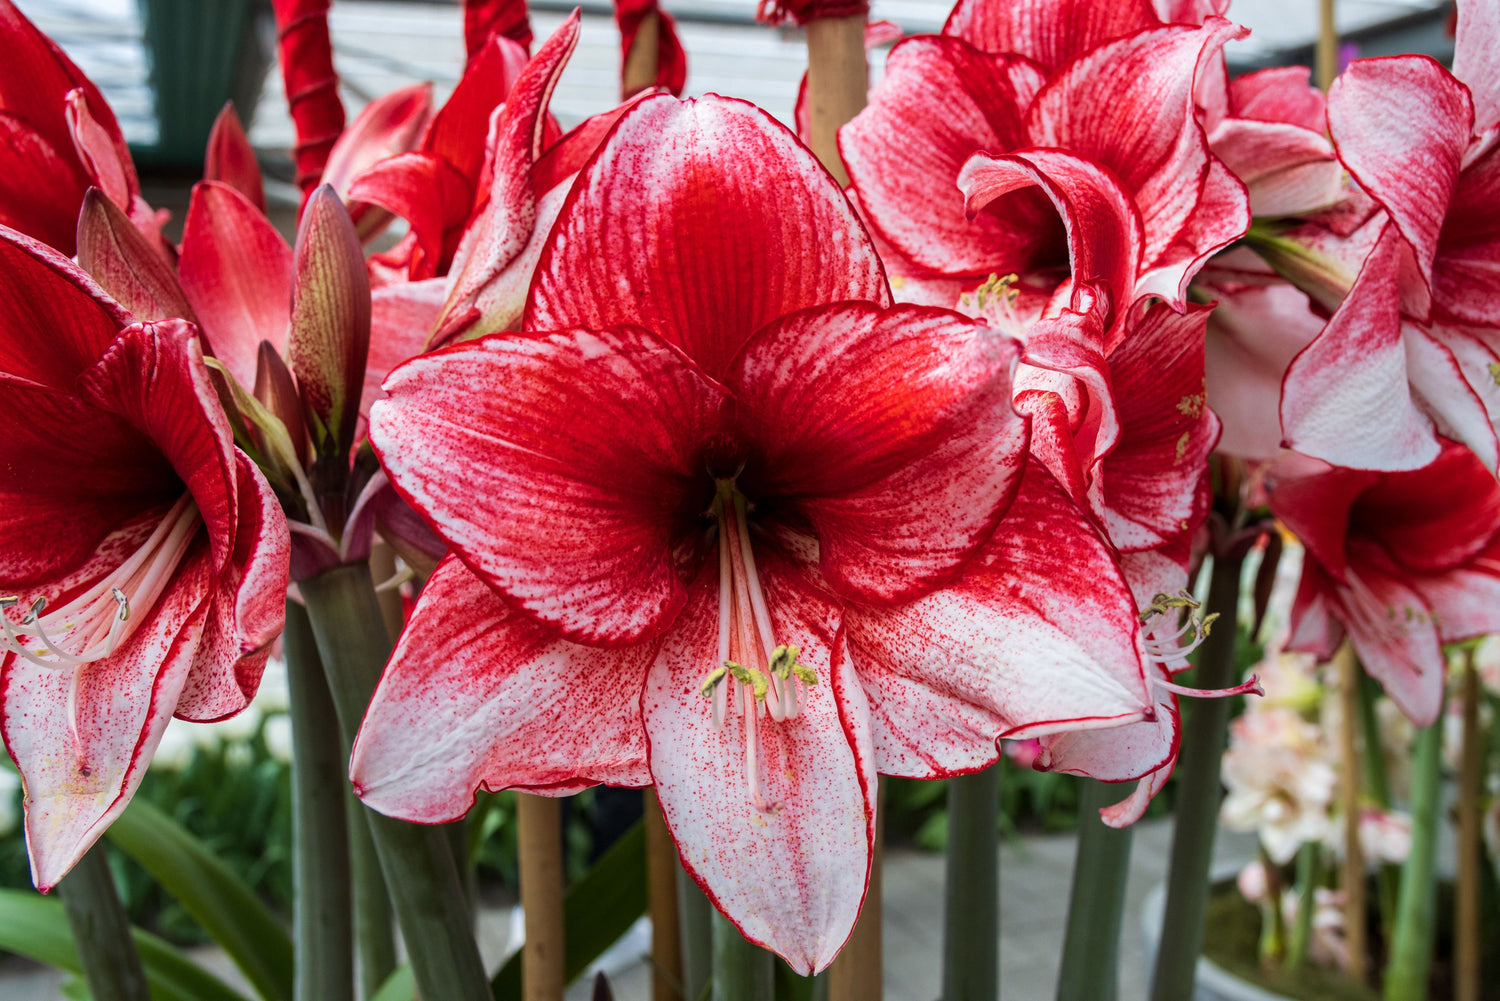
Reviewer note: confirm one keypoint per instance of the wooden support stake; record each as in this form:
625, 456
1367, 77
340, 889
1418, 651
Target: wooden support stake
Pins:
1467, 937
856, 973
661, 897
837, 80
1327, 55
1353, 878
639, 71
539, 848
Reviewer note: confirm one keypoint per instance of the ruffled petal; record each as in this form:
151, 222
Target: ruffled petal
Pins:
401, 318
1393, 632
906, 451
237, 273
1051, 33
1466, 272
388, 126
1287, 169
479, 696
1476, 58
1280, 94
790, 870
1039, 635
719, 244
1445, 384
570, 489
1435, 518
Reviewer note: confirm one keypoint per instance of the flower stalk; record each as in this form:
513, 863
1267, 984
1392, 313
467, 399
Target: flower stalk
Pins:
695, 917
1309, 875
1378, 790
971, 894
1410, 962
1205, 731
837, 81
539, 854
1468, 941
1090, 957
741, 971
661, 902
1353, 878
418, 865
111, 966
374, 924
856, 972
322, 917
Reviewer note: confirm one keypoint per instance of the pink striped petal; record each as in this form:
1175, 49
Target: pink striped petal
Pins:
1281, 94
1476, 58
1051, 33
1287, 169
1466, 273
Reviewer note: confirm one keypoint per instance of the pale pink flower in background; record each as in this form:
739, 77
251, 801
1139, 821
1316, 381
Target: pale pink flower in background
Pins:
1281, 781
1385, 835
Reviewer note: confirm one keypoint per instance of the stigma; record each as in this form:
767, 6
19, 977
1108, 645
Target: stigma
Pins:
1167, 642
753, 671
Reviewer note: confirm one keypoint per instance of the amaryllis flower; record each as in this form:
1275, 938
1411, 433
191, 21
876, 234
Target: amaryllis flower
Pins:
1400, 562
671, 58
724, 521
485, 18
58, 137
143, 559
1413, 349
946, 98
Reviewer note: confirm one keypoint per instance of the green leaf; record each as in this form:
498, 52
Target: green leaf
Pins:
597, 910
215, 897
35, 926
399, 986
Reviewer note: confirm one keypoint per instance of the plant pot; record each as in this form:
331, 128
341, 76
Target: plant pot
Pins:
200, 54
1214, 983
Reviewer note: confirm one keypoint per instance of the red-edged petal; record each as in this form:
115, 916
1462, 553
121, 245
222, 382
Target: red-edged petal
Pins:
459, 129
1393, 632
1103, 225
1280, 94
38, 77
153, 376
248, 606
479, 696
568, 490
1314, 628
1401, 125
1287, 169
126, 264
1221, 217
237, 273
1050, 33
387, 126
1345, 397
904, 160
427, 192
1434, 518
78, 780
1253, 335
54, 321
1128, 105
1447, 374
1466, 272
231, 159
1118, 754
105, 157
484, 18
1476, 58
401, 317
723, 244
1038, 635
791, 875
40, 186
904, 451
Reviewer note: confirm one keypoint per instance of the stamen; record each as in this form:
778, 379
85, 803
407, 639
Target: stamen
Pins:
1250, 687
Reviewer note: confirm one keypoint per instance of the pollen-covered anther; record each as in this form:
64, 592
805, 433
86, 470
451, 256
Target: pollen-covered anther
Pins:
1164, 646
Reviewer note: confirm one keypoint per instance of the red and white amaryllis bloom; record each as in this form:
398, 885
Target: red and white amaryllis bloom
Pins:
143, 559
724, 521
1413, 351
1400, 562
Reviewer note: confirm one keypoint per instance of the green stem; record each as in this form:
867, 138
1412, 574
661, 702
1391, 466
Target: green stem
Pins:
1407, 971
694, 925
1090, 957
321, 914
419, 868
1272, 920
1309, 875
1204, 732
971, 893
111, 966
1378, 789
742, 972
374, 929
458, 843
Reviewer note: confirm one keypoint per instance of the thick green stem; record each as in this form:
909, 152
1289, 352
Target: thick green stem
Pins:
1272, 920
374, 924
1407, 971
111, 966
322, 914
1309, 875
1204, 731
971, 892
695, 924
458, 843
1377, 788
1090, 956
419, 869
742, 972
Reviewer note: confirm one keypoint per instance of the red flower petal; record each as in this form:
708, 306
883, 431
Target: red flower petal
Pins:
1476, 58
569, 490
721, 244
401, 318
388, 126
792, 875
479, 696
40, 187
1393, 632
1464, 279
1280, 94
231, 159
237, 273
1050, 33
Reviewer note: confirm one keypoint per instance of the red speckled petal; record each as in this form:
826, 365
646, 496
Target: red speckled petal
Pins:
792, 876
478, 696
1476, 58
1051, 33
563, 468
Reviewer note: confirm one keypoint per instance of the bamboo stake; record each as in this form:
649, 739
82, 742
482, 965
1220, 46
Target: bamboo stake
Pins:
1467, 951
661, 897
856, 973
1353, 877
639, 70
1328, 46
539, 848
837, 80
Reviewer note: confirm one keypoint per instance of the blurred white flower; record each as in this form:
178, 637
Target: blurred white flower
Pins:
1487, 660
10, 801
177, 747
1281, 784
238, 729
278, 737
1385, 835
272, 695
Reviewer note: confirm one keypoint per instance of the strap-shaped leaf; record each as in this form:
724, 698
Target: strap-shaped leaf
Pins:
228, 910
401, 985
597, 910
35, 926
